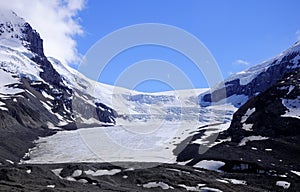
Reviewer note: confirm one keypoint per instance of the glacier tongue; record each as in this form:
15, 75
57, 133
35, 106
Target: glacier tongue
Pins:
145, 135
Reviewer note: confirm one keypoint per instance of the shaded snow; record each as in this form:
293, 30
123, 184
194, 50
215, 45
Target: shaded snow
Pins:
293, 107
247, 114
103, 172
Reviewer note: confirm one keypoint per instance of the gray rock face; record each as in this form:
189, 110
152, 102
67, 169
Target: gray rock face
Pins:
33, 39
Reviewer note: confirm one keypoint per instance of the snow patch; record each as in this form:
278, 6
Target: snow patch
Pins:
157, 184
295, 61
70, 178
222, 180
283, 184
247, 114
46, 95
268, 149
293, 107
191, 188
296, 172
77, 173
51, 186
210, 189
103, 172
247, 127
57, 171
3, 108
251, 138
291, 88
9, 161
236, 181
210, 165
82, 181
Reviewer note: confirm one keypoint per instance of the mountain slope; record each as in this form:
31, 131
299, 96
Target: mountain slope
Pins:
264, 135
40, 96
257, 78
34, 99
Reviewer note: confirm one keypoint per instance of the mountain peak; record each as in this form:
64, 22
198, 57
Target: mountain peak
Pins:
7, 15
17, 34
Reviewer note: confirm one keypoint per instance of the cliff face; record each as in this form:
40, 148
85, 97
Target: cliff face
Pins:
32, 40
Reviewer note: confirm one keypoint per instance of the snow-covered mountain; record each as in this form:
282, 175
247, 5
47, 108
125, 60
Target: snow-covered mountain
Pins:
256, 79
130, 104
40, 95
34, 98
264, 134
45, 106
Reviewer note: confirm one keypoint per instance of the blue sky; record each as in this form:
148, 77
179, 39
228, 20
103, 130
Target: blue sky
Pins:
238, 33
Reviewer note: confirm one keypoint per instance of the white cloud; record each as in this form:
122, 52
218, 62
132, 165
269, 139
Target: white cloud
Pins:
241, 62
298, 34
56, 21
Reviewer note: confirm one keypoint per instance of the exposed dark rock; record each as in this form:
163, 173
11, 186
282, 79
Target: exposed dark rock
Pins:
267, 118
17, 178
43, 103
259, 84
105, 113
279, 152
33, 39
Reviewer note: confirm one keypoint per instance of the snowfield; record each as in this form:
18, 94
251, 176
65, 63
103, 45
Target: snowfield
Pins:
149, 127
151, 140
